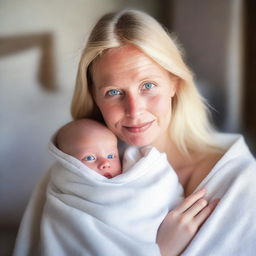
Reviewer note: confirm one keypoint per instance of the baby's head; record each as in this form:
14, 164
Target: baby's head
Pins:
93, 144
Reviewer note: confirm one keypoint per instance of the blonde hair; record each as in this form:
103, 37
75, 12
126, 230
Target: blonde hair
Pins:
190, 128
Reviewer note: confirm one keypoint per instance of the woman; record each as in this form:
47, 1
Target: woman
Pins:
138, 83
132, 77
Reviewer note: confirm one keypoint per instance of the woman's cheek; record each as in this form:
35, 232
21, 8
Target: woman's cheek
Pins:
161, 106
111, 114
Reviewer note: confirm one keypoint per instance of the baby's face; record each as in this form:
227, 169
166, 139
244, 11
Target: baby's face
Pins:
99, 152
102, 158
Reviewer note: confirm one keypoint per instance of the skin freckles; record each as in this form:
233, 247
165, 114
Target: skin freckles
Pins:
134, 95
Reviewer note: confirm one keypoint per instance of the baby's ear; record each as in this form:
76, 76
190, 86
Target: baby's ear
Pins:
55, 140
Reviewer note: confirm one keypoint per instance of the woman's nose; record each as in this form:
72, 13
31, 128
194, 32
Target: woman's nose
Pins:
133, 105
104, 164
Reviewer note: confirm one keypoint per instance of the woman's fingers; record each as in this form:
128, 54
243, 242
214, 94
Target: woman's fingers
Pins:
182, 223
206, 212
196, 208
189, 201
193, 211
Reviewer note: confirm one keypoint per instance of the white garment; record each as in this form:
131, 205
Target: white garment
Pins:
231, 228
87, 214
229, 231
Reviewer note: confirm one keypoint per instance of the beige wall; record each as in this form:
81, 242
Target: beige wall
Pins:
69, 22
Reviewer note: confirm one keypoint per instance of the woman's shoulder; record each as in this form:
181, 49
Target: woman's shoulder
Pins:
234, 147
235, 154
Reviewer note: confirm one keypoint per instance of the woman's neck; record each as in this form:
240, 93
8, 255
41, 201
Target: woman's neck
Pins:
174, 156
183, 165
191, 169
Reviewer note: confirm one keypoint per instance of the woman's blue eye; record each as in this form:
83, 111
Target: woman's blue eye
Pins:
113, 92
89, 158
111, 156
149, 86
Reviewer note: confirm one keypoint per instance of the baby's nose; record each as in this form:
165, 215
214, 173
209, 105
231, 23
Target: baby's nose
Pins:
104, 164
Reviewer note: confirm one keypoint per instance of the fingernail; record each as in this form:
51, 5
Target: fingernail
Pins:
203, 190
216, 201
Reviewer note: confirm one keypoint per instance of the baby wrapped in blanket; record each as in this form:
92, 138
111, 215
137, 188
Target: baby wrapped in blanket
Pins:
95, 208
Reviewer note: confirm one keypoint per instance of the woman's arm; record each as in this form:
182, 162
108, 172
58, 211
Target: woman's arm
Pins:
182, 223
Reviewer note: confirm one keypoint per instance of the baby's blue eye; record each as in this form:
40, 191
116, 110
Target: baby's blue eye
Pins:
149, 86
89, 158
111, 156
113, 92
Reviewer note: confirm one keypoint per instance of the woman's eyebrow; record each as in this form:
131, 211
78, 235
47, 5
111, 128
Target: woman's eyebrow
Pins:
110, 83
104, 86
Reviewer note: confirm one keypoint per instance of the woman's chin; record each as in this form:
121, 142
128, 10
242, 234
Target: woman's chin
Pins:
139, 141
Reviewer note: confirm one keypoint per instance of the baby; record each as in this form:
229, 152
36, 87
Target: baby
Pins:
93, 144
100, 200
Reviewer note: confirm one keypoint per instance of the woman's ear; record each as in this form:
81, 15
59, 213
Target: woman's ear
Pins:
175, 85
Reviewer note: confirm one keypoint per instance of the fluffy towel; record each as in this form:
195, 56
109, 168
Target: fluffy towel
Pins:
87, 214
231, 229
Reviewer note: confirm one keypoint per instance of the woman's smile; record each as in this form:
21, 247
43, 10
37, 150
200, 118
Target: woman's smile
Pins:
138, 128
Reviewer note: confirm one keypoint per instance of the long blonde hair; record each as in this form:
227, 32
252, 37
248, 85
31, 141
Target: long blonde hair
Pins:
190, 128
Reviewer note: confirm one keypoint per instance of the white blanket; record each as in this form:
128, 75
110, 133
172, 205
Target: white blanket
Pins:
231, 229
87, 214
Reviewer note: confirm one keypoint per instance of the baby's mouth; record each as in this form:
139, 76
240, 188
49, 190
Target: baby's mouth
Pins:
107, 175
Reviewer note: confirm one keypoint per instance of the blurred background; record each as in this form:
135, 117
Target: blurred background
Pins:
40, 46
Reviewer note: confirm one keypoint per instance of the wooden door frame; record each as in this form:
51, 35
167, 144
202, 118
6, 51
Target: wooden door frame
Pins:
249, 84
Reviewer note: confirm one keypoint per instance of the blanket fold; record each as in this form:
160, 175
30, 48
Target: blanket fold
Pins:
55, 218
231, 228
88, 214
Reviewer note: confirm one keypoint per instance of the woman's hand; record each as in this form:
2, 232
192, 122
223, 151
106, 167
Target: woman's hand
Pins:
182, 223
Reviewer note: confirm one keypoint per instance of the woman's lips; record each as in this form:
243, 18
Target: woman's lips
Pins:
139, 127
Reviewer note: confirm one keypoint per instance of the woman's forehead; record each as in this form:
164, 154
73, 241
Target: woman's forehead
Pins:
124, 61
119, 56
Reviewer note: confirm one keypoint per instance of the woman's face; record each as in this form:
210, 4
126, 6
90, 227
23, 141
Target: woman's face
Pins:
134, 95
